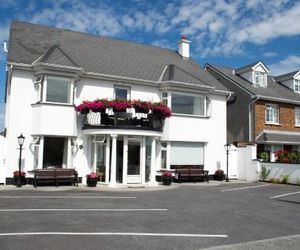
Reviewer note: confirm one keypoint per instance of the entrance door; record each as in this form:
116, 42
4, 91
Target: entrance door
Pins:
134, 162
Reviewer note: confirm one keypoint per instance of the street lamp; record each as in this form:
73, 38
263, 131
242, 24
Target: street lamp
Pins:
227, 148
21, 140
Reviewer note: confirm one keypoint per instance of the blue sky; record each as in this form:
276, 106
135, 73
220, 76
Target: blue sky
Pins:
230, 33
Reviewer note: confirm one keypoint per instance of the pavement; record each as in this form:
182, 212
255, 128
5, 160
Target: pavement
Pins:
218, 215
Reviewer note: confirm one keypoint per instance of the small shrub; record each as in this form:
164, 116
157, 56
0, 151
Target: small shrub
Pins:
275, 180
285, 178
264, 173
264, 156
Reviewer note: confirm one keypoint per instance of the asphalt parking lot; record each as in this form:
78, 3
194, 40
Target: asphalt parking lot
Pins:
187, 217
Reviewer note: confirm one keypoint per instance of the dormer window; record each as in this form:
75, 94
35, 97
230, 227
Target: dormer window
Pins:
260, 78
297, 86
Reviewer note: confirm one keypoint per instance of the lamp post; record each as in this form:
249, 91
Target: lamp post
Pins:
227, 148
21, 140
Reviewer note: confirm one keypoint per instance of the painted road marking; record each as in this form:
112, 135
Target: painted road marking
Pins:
282, 195
118, 234
248, 187
85, 210
64, 197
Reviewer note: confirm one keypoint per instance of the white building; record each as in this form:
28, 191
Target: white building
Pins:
50, 70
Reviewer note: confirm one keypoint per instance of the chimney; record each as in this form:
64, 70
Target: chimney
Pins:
184, 47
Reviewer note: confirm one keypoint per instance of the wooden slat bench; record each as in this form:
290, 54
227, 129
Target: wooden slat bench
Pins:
55, 176
191, 173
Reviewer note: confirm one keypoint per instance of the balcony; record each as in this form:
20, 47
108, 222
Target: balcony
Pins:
123, 120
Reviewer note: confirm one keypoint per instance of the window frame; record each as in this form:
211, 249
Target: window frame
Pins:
297, 122
296, 85
44, 88
263, 78
275, 109
128, 88
193, 95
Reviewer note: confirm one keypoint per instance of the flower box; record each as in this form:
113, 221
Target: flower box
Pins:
166, 178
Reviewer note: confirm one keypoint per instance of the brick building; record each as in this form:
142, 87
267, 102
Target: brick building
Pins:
264, 110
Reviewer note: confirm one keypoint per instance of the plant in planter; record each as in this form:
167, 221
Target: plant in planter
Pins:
282, 156
160, 109
264, 156
97, 106
22, 177
83, 108
141, 106
120, 105
166, 177
219, 175
91, 179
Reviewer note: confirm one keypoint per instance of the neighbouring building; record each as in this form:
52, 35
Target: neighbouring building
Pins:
264, 110
51, 70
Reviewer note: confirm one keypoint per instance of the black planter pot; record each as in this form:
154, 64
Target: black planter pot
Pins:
22, 180
98, 110
91, 182
84, 111
141, 110
119, 110
219, 177
167, 181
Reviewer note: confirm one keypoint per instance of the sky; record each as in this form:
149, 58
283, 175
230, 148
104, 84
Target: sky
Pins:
230, 33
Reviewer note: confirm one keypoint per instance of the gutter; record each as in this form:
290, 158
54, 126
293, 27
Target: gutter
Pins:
269, 98
250, 120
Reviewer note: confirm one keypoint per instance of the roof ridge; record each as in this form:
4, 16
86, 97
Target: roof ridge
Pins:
190, 74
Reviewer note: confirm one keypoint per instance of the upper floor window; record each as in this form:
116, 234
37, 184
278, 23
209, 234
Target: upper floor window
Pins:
58, 89
297, 86
122, 92
260, 78
189, 104
297, 116
272, 113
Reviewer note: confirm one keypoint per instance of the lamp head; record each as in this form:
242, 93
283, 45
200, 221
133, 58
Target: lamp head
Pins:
21, 139
227, 147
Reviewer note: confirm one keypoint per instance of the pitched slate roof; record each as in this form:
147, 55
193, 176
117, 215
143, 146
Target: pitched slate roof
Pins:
273, 90
278, 138
286, 76
30, 43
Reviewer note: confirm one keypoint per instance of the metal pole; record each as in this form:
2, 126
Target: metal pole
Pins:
227, 153
20, 162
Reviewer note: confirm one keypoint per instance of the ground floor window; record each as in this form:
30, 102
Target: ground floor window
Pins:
55, 152
51, 151
185, 154
163, 155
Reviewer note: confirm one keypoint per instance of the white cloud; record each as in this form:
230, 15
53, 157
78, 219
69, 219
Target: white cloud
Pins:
286, 65
270, 54
164, 43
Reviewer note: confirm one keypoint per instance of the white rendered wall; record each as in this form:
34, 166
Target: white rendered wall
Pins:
19, 120
2, 158
278, 170
211, 131
90, 89
53, 120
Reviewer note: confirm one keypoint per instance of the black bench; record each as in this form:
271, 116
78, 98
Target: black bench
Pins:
55, 176
191, 173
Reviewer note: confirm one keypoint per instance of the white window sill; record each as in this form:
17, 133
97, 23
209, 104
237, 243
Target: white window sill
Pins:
273, 123
191, 116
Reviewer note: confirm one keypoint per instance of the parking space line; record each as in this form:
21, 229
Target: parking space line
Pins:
248, 187
282, 195
118, 234
85, 210
65, 197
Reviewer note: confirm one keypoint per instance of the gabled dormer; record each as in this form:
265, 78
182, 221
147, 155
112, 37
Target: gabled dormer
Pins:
256, 73
290, 80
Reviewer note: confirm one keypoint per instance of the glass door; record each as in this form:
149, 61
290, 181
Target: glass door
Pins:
134, 162
100, 161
